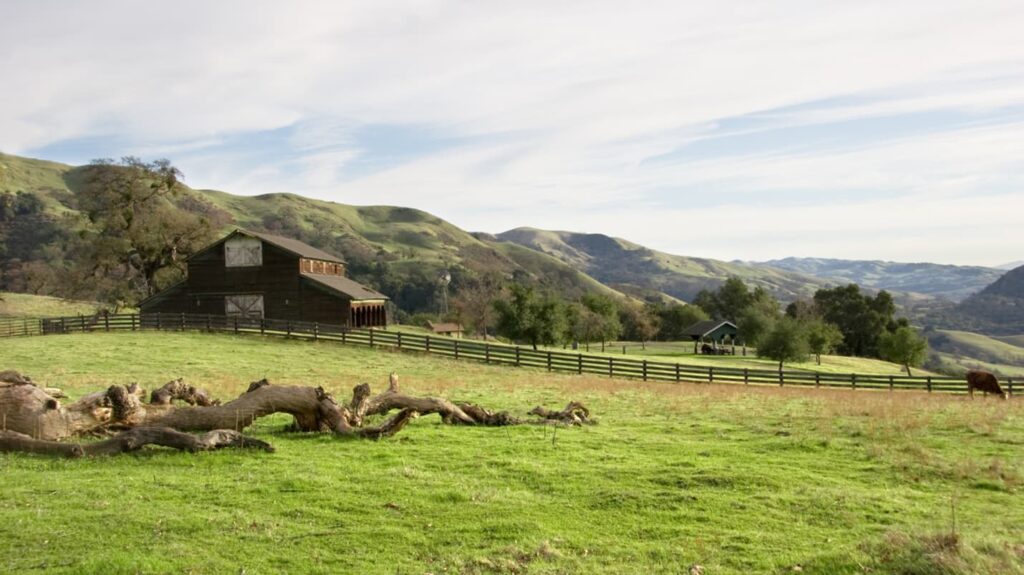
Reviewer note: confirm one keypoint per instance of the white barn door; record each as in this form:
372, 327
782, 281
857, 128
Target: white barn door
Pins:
243, 252
244, 306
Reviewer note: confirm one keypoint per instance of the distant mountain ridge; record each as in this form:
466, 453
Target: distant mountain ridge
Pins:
618, 262
940, 280
996, 310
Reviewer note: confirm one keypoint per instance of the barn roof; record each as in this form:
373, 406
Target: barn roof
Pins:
294, 246
444, 327
172, 290
290, 245
703, 328
343, 286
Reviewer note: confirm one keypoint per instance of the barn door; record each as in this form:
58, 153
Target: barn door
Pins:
244, 306
242, 252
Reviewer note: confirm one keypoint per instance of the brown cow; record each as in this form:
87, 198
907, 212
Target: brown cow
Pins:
983, 381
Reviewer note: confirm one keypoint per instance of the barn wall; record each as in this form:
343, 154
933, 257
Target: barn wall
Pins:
322, 307
277, 280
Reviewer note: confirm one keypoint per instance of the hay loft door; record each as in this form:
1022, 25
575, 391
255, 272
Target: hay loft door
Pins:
241, 252
244, 306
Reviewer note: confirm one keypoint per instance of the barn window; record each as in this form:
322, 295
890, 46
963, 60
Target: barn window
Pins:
243, 252
244, 306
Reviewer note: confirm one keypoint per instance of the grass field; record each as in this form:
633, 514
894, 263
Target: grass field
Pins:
28, 305
737, 480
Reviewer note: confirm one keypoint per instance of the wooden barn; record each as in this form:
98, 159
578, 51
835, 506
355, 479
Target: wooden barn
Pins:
254, 275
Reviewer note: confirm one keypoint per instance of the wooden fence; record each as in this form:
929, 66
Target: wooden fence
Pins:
491, 353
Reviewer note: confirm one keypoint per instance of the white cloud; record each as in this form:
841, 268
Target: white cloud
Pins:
566, 101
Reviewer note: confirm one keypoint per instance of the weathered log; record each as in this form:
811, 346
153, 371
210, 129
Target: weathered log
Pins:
575, 413
27, 409
178, 389
451, 413
132, 440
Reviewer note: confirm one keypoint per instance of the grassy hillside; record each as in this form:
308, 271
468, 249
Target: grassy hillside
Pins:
734, 480
964, 350
397, 250
27, 305
617, 261
997, 310
947, 281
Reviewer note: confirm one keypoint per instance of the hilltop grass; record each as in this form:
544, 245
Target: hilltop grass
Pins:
28, 305
961, 350
738, 480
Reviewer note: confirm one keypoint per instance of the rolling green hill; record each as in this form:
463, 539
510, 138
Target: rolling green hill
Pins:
615, 261
997, 310
397, 250
959, 350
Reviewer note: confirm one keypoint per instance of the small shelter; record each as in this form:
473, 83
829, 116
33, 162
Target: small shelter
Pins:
713, 331
447, 329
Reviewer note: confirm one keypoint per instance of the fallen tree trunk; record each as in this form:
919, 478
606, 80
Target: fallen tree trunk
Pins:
36, 419
131, 440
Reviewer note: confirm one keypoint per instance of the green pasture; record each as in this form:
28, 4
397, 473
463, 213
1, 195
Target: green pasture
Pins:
734, 479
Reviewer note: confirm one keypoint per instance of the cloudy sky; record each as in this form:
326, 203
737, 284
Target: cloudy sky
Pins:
730, 129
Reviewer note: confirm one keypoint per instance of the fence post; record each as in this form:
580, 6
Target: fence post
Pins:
711, 374
288, 327
549, 360
316, 333
399, 337
428, 344
579, 363
892, 382
853, 381
1009, 386
133, 322
677, 373
263, 325
345, 330
746, 376
456, 349
782, 379
81, 318
487, 352
106, 320
817, 379
236, 324
928, 380
611, 368
517, 356
645, 370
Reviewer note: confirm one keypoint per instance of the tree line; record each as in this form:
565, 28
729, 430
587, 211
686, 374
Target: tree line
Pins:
842, 320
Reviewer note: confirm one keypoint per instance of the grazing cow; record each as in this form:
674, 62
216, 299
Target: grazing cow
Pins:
983, 381
707, 350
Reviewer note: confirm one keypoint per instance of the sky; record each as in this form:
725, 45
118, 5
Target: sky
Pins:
728, 129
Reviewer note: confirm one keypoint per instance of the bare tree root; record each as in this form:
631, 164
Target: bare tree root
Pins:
178, 389
132, 440
575, 413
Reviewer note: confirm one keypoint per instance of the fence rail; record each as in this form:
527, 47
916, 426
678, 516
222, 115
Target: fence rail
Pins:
491, 353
